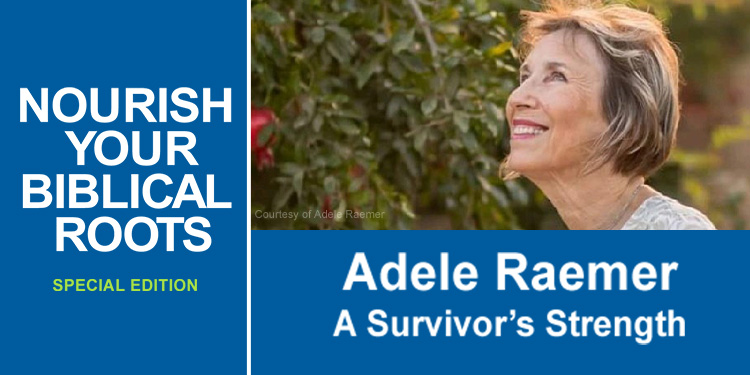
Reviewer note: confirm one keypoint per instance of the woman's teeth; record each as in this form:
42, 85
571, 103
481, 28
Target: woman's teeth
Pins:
521, 129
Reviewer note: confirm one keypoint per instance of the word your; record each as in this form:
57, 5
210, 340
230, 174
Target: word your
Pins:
172, 147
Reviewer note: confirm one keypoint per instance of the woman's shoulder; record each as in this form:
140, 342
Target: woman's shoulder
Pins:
660, 212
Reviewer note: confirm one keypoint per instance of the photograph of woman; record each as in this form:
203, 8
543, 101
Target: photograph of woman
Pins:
596, 113
500, 114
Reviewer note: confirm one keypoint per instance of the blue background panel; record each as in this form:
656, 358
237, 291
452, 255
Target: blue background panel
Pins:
297, 296
122, 44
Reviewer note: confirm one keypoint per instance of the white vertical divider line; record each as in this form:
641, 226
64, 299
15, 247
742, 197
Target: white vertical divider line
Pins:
249, 171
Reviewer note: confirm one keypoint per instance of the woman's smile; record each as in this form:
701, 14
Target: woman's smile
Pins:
527, 129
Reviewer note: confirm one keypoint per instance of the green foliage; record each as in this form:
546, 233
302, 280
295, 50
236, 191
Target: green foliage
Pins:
698, 166
379, 112
712, 37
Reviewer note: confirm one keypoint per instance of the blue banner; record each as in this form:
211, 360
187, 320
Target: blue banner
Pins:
605, 302
123, 187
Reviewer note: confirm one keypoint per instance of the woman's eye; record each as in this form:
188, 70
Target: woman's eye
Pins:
524, 77
557, 76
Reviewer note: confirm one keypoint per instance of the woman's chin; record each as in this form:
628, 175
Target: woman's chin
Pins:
523, 166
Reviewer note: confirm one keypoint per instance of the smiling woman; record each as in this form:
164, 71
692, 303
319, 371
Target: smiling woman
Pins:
596, 113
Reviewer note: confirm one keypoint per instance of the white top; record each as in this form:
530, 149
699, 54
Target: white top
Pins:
661, 213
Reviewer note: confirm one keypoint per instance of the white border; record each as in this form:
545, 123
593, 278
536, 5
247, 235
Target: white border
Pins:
248, 183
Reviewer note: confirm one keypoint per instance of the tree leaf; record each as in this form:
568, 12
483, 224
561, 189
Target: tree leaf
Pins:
402, 40
446, 14
481, 5
297, 180
380, 39
348, 127
492, 117
406, 209
461, 119
330, 184
470, 142
499, 49
365, 72
264, 13
317, 35
419, 140
494, 191
364, 156
452, 83
355, 184
282, 196
264, 135
317, 122
447, 28
341, 32
413, 63
411, 163
289, 168
307, 106
337, 49
340, 210
393, 106
395, 68
429, 105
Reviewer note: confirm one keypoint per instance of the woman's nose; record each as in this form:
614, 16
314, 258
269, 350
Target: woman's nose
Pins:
523, 97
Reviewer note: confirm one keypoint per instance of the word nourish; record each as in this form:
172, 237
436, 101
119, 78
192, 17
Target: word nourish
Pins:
140, 99
511, 269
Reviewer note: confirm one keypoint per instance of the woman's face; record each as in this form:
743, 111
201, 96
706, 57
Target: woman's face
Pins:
556, 111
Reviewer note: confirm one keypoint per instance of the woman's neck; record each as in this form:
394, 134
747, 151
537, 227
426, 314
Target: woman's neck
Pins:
599, 200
